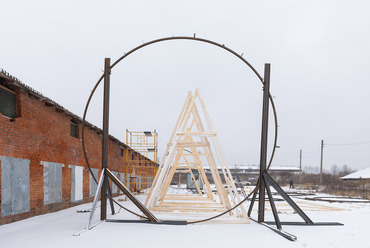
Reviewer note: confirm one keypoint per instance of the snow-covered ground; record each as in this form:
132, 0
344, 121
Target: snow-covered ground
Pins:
57, 229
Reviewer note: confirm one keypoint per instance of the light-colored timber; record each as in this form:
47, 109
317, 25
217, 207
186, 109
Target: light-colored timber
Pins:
193, 144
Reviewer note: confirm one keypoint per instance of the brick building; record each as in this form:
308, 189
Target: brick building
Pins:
42, 163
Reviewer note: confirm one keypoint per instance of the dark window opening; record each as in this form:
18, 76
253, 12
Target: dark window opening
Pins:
74, 129
132, 157
121, 152
8, 102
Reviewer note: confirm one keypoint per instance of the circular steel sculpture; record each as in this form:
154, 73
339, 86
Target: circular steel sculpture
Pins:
192, 39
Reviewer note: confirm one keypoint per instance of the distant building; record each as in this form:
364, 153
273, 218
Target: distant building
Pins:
358, 175
359, 181
42, 163
251, 172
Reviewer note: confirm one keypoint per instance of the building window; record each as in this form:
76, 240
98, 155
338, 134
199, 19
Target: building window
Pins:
121, 152
77, 183
52, 182
74, 129
15, 186
93, 187
8, 102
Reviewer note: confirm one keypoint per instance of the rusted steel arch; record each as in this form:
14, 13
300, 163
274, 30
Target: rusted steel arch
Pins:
178, 38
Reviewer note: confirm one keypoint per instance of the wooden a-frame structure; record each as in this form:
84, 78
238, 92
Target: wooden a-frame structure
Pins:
191, 145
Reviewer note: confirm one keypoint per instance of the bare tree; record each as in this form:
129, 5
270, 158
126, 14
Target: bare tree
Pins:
334, 170
345, 170
311, 170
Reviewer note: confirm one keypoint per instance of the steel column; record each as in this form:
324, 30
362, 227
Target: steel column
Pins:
264, 132
103, 213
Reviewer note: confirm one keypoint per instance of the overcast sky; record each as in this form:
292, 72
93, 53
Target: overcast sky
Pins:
318, 50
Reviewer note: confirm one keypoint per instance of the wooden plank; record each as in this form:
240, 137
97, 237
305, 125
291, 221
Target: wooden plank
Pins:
192, 133
190, 205
186, 197
194, 144
166, 209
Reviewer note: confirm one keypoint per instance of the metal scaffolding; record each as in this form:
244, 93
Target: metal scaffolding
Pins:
145, 143
145, 146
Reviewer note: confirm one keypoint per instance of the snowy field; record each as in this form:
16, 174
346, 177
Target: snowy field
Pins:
57, 229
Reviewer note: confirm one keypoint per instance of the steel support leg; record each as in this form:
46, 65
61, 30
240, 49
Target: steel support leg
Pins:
289, 200
96, 198
131, 196
253, 200
273, 207
111, 199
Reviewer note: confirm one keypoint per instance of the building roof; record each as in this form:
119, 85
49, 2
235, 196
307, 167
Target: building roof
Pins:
15, 83
361, 174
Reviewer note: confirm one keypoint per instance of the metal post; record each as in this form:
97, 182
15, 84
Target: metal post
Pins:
322, 151
263, 157
103, 197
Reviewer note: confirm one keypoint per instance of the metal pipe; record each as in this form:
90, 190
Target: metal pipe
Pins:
105, 145
264, 132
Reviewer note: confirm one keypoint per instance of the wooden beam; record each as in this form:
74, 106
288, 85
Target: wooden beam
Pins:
194, 144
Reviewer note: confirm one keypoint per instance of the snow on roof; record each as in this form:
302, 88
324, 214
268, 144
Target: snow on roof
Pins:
283, 168
272, 168
361, 174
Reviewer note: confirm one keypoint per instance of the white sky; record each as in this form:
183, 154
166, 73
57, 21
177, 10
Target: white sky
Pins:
318, 50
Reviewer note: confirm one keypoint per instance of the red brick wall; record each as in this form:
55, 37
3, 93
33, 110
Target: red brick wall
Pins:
42, 133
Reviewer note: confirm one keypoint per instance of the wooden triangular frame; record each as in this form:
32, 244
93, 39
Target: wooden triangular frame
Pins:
191, 144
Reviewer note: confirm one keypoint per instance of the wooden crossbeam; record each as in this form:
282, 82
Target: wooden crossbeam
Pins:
194, 144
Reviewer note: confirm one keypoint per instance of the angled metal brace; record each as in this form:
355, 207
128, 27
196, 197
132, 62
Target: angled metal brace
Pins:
122, 187
110, 199
96, 198
287, 198
253, 200
272, 204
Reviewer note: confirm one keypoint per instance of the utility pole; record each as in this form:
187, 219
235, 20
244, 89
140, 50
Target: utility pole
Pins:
300, 166
322, 153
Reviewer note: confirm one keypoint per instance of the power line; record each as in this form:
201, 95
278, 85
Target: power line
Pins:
312, 154
349, 144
